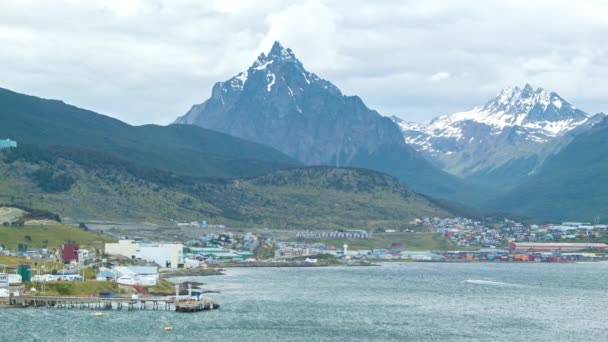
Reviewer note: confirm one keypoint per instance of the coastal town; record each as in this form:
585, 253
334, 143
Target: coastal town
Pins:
104, 270
139, 263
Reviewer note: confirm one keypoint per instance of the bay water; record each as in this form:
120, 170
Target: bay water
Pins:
391, 302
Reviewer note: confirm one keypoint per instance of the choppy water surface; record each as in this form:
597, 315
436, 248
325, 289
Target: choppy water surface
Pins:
394, 302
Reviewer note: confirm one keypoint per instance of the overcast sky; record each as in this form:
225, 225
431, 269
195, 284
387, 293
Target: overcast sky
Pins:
149, 61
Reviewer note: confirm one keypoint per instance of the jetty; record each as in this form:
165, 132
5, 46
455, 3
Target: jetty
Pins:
177, 303
148, 303
60, 302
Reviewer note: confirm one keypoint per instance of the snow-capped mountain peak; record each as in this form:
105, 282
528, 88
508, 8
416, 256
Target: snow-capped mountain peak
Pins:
279, 60
518, 121
524, 107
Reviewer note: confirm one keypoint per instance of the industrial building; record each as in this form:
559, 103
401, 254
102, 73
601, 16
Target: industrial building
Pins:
170, 255
556, 247
7, 143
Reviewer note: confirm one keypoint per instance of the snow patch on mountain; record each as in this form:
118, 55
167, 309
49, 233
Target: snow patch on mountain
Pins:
542, 112
271, 80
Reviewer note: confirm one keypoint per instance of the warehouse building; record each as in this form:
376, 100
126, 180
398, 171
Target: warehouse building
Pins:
556, 247
170, 255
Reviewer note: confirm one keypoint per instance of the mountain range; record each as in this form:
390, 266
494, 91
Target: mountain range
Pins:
504, 141
277, 102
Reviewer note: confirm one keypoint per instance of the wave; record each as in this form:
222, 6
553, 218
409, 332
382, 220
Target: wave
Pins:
491, 283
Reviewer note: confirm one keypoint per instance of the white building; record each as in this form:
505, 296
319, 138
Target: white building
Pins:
3, 280
127, 248
170, 255
137, 275
14, 279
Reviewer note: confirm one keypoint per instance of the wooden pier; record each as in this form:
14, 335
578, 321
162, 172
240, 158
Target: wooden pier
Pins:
147, 303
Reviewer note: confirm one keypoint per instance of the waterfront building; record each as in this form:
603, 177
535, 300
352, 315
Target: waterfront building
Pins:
7, 143
137, 275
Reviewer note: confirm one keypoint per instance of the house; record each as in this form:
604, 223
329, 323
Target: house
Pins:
14, 279
67, 275
69, 252
3, 280
106, 274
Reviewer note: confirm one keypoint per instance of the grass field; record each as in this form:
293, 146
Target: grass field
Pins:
411, 241
78, 288
12, 261
164, 287
48, 236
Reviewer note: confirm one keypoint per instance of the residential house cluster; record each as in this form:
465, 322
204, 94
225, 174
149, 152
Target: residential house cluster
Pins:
347, 234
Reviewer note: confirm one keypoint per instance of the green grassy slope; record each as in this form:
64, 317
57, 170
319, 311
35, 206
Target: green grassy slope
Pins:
51, 236
324, 197
317, 197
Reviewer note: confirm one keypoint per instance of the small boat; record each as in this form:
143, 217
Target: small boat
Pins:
98, 314
167, 328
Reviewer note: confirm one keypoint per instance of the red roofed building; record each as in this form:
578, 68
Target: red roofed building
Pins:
69, 252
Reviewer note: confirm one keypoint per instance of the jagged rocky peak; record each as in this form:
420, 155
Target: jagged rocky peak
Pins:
279, 52
279, 69
528, 105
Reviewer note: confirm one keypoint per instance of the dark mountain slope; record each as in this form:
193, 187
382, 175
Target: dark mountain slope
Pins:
86, 186
182, 149
570, 186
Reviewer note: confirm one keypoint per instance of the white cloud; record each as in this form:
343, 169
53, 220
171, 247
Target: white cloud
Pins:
440, 76
150, 60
